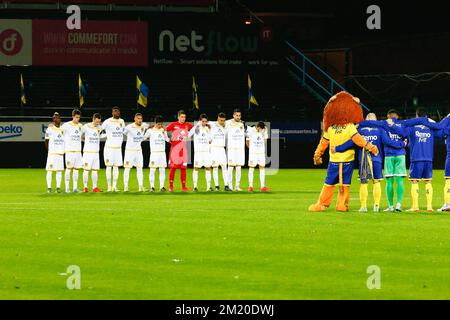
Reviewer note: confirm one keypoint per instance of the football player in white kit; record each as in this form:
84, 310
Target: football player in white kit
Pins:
54, 143
112, 152
202, 152
218, 154
91, 158
157, 137
135, 133
235, 148
72, 149
256, 143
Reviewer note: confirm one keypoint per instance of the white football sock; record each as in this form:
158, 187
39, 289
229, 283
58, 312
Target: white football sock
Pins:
250, 177
225, 176
49, 179
58, 179
115, 176
230, 177
238, 176
85, 178
208, 179
162, 177
216, 176
75, 179
67, 179
262, 177
195, 178
94, 179
126, 177
152, 177
140, 177
108, 176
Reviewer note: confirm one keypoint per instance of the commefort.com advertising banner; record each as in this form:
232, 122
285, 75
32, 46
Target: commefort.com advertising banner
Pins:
51, 43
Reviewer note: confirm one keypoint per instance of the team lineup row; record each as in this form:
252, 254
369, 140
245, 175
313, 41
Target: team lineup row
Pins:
217, 144
384, 140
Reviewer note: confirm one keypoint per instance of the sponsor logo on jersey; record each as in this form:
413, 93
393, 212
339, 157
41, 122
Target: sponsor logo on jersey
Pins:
370, 138
423, 134
394, 136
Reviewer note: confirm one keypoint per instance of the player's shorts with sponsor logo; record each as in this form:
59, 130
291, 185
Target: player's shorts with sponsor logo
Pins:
218, 156
447, 168
421, 170
133, 158
377, 168
113, 156
395, 166
256, 159
55, 162
91, 161
73, 160
202, 159
236, 157
157, 159
339, 173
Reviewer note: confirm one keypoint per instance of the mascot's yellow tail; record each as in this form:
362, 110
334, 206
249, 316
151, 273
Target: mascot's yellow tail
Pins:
343, 199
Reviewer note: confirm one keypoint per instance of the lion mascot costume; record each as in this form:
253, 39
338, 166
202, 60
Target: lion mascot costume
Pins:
340, 115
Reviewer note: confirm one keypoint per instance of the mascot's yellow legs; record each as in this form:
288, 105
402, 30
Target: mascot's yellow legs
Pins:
326, 196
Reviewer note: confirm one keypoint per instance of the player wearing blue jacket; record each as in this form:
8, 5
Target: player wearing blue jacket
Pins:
421, 145
444, 124
394, 158
380, 138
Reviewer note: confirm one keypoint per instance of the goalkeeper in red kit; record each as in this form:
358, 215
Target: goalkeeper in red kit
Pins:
178, 156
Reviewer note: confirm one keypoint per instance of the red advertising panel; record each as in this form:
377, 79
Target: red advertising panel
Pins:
98, 43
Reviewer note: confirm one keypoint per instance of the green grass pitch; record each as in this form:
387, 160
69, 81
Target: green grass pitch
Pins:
215, 246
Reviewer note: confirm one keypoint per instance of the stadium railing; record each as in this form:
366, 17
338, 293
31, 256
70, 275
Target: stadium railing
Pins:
311, 76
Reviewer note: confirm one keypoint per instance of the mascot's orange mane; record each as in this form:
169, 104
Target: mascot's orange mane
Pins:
341, 109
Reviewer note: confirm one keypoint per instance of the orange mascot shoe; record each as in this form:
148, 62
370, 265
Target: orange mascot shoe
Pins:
326, 195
